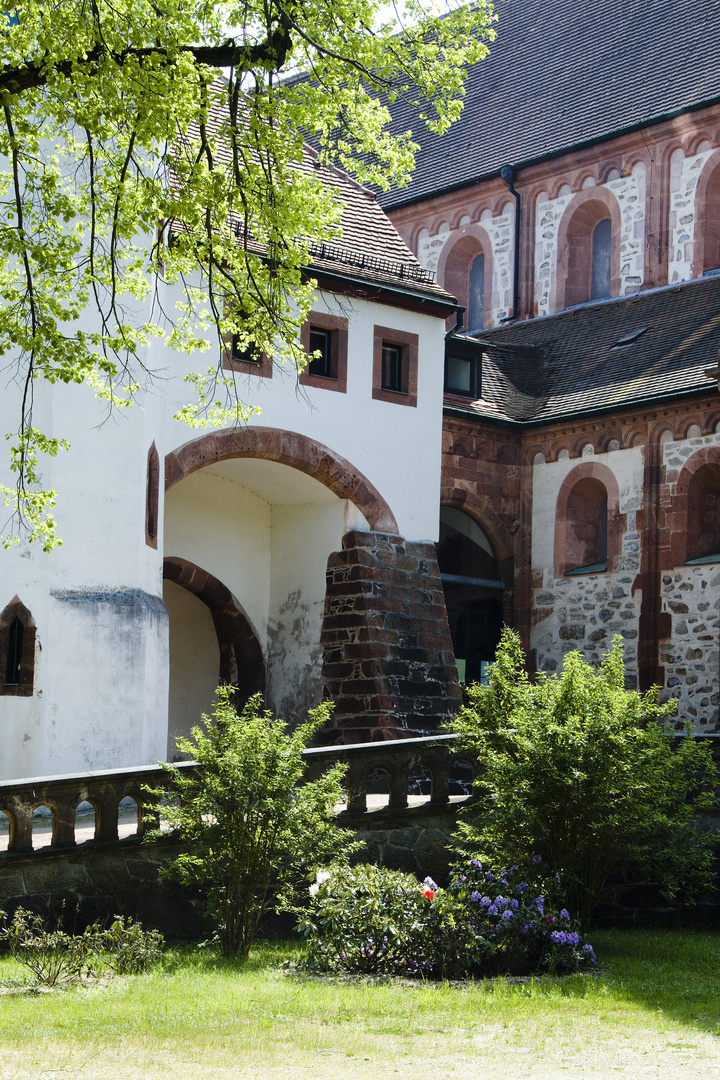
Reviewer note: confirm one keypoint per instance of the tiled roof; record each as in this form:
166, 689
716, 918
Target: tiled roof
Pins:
565, 72
370, 248
601, 355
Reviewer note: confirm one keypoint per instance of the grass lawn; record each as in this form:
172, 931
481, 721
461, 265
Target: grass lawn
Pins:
652, 1011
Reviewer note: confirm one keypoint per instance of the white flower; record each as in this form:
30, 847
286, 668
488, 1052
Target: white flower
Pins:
314, 889
322, 876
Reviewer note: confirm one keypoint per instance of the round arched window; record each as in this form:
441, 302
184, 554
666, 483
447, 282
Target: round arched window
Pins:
473, 592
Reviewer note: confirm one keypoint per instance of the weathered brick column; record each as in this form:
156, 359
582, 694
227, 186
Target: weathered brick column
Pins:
388, 658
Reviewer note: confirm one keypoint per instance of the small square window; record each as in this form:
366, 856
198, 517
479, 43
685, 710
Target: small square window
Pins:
393, 374
248, 355
327, 336
324, 365
395, 366
248, 360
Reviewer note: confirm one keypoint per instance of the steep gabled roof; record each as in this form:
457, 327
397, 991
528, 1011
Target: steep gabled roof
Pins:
563, 73
601, 356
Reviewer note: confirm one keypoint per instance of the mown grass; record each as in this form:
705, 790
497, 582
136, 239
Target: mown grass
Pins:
655, 1004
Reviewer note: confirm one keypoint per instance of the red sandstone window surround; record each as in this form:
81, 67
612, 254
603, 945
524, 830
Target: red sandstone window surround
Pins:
589, 249
245, 361
395, 366
707, 220
17, 650
152, 497
327, 335
703, 515
588, 525
465, 270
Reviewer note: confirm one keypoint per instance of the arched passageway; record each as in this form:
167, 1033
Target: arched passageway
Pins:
473, 589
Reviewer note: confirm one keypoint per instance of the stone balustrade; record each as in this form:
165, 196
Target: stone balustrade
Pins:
62, 795
406, 765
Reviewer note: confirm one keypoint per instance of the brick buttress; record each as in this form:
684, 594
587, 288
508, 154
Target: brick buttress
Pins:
388, 658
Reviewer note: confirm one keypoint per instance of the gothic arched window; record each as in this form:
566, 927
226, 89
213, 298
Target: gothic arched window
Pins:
703, 521
17, 650
601, 260
473, 590
586, 536
476, 306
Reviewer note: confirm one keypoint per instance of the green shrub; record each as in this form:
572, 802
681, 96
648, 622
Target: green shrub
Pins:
55, 956
369, 920
128, 949
254, 831
588, 777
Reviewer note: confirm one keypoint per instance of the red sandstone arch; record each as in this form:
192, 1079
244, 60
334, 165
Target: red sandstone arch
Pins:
574, 245
490, 522
706, 239
589, 470
453, 271
678, 519
287, 448
241, 659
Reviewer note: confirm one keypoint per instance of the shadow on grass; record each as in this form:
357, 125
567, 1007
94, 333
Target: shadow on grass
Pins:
674, 972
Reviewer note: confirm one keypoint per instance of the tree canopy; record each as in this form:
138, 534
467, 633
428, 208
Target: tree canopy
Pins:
130, 123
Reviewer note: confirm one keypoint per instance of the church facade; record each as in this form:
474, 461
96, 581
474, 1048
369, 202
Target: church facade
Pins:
575, 212
514, 419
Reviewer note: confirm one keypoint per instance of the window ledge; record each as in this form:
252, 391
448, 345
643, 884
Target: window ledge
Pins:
591, 568
715, 557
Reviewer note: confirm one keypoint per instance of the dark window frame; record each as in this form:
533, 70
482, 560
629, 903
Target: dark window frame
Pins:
24, 684
336, 329
384, 336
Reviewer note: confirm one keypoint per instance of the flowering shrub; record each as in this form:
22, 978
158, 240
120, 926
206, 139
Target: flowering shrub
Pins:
369, 920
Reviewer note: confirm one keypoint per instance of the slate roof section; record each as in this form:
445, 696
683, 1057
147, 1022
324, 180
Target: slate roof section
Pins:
370, 247
562, 73
601, 355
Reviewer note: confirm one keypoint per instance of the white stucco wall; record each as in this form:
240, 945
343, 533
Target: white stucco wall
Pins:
101, 679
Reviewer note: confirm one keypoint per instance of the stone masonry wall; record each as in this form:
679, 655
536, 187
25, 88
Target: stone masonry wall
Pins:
586, 611
684, 176
501, 230
388, 659
691, 596
630, 194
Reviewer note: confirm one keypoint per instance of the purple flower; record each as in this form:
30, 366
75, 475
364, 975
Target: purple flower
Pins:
527, 928
492, 910
588, 949
507, 915
476, 897
486, 901
476, 864
514, 869
514, 904
557, 879
430, 884
489, 876
559, 937
540, 904
565, 914
500, 902
536, 859
573, 938
521, 886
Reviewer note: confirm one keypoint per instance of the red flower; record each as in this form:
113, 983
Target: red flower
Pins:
428, 894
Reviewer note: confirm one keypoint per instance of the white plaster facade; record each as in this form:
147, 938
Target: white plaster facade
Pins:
264, 529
